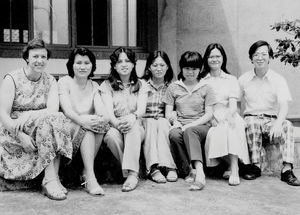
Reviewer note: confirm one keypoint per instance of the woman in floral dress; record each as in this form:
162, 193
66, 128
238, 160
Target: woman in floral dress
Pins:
33, 134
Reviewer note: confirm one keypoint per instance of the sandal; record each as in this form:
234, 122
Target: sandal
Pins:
157, 177
226, 174
172, 175
234, 180
197, 185
92, 187
131, 183
191, 177
54, 195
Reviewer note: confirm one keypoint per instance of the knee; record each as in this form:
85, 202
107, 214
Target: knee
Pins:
175, 135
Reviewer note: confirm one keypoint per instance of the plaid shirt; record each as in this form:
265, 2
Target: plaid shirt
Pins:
155, 106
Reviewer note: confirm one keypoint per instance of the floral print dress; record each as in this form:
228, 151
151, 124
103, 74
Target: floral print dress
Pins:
50, 131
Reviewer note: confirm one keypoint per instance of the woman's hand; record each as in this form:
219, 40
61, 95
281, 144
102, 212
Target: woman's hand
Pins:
173, 117
126, 123
90, 122
176, 124
20, 122
27, 142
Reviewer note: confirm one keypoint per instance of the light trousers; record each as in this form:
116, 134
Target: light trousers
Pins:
126, 147
157, 144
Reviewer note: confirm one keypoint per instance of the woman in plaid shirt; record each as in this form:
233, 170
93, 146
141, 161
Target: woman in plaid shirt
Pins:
158, 74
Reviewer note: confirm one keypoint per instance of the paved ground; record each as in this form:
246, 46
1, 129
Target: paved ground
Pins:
265, 195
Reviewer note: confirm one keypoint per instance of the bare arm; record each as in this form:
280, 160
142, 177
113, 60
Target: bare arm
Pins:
7, 94
100, 107
203, 119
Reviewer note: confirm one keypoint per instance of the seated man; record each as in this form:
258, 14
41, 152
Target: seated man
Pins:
266, 96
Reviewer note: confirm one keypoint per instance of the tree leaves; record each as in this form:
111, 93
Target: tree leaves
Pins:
288, 49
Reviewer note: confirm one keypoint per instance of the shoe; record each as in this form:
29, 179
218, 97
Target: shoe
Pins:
234, 180
289, 177
131, 183
251, 172
172, 175
157, 177
95, 190
54, 195
197, 186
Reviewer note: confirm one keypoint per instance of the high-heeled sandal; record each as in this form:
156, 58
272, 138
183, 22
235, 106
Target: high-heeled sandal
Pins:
54, 195
95, 191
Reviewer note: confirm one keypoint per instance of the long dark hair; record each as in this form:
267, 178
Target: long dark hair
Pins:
114, 78
83, 52
191, 59
209, 48
151, 58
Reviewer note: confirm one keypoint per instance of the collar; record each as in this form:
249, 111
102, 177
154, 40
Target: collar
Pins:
150, 82
222, 75
267, 76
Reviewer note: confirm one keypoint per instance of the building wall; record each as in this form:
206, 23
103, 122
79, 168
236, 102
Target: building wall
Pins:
58, 66
193, 24
235, 24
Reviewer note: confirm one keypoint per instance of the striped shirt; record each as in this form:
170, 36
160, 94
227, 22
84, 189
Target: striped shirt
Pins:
155, 106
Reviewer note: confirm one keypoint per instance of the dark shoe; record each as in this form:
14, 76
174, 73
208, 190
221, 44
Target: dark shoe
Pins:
289, 177
251, 172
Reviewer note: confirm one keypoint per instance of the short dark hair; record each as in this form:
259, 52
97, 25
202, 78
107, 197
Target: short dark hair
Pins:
191, 59
208, 50
35, 43
258, 44
83, 52
152, 56
114, 77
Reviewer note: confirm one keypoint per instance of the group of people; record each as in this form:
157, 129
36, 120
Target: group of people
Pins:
180, 125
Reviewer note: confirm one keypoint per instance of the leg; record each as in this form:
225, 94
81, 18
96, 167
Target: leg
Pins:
50, 184
287, 174
179, 153
132, 149
163, 144
150, 143
194, 138
234, 178
87, 150
114, 141
98, 139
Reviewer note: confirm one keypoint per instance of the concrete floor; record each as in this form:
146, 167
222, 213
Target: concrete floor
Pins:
265, 195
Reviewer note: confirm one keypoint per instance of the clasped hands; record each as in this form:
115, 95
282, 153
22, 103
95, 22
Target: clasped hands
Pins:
91, 122
125, 123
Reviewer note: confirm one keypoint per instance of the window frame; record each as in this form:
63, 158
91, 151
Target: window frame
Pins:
13, 50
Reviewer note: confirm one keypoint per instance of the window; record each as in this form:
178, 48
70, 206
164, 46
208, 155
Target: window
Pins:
101, 25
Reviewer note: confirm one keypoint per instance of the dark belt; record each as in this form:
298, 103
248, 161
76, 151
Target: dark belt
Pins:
262, 115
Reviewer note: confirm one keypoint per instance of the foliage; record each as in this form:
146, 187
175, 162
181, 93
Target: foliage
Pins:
288, 49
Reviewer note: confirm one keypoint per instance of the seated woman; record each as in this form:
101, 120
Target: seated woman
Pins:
158, 74
81, 102
227, 139
193, 102
33, 135
125, 98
